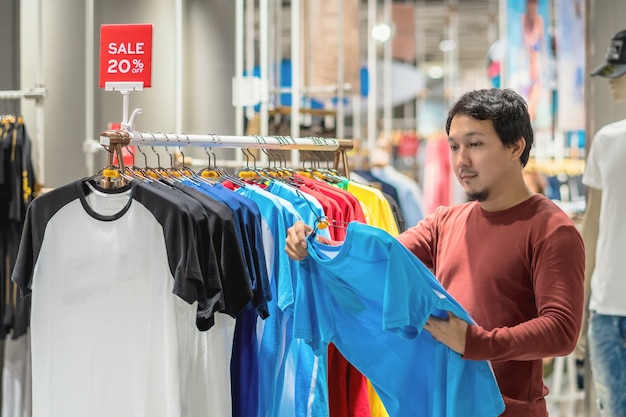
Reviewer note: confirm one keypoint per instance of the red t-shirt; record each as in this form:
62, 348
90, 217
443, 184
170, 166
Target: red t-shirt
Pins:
331, 209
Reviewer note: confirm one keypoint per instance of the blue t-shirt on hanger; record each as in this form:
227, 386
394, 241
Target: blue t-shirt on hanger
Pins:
371, 297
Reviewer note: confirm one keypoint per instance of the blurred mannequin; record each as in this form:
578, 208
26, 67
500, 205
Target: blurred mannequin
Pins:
532, 31
604, 234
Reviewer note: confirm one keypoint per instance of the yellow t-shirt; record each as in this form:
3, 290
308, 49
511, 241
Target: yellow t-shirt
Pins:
379, 213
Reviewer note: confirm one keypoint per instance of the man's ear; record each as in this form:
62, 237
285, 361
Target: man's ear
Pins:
517, 148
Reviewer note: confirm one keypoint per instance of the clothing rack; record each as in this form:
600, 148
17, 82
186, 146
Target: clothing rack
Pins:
32, 93
38, 94
117, 139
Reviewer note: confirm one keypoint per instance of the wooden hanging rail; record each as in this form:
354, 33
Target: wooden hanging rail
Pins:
116, 138
133, 138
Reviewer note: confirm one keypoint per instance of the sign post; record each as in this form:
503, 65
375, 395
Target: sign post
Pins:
125, 60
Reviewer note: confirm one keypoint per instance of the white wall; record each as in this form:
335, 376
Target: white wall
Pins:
9, 68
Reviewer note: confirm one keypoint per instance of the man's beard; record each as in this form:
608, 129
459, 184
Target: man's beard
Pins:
478, 195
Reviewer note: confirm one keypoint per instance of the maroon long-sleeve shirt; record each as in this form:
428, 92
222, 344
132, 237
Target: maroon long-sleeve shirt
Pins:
519, 273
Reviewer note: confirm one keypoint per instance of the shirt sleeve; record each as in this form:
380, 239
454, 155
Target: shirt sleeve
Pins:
592, 176
38, 214
419, 239
407, 300
312, 317
557, 274
22, 274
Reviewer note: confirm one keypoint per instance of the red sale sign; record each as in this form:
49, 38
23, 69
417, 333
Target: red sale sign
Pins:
125, 54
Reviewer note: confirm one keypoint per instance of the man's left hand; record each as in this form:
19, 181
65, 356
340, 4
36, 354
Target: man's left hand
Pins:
451, 331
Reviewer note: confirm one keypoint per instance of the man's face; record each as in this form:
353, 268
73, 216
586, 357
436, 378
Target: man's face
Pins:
481, 162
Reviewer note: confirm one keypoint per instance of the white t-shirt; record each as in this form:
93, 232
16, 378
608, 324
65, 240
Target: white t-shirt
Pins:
115, 291
605, 171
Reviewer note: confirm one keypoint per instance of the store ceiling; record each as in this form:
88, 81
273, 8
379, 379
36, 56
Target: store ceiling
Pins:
476, 28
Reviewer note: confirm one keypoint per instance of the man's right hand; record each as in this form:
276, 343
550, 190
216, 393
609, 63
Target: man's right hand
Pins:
296, 242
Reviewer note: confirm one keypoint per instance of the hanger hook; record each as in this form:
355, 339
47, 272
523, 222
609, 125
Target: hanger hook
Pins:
252, 154
216, 140
180, 149
167, 139
206, 151
247, 157
131, 153
142, 152
155, 152
212, 159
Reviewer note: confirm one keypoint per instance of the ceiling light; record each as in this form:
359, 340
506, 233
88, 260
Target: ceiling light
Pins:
381, 33
447, 45
435, 72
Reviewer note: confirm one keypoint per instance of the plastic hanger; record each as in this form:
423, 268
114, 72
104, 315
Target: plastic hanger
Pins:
157, 173
210, 172
213, 173
111, 176
251, 174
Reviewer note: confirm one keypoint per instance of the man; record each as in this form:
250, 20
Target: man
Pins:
605, 237
511, 258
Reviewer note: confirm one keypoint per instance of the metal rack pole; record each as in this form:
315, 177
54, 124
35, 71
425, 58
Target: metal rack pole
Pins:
295, 75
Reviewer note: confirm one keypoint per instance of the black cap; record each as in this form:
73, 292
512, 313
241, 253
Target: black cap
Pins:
615, 65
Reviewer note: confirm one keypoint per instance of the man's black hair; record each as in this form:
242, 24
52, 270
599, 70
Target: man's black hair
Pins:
506, 109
